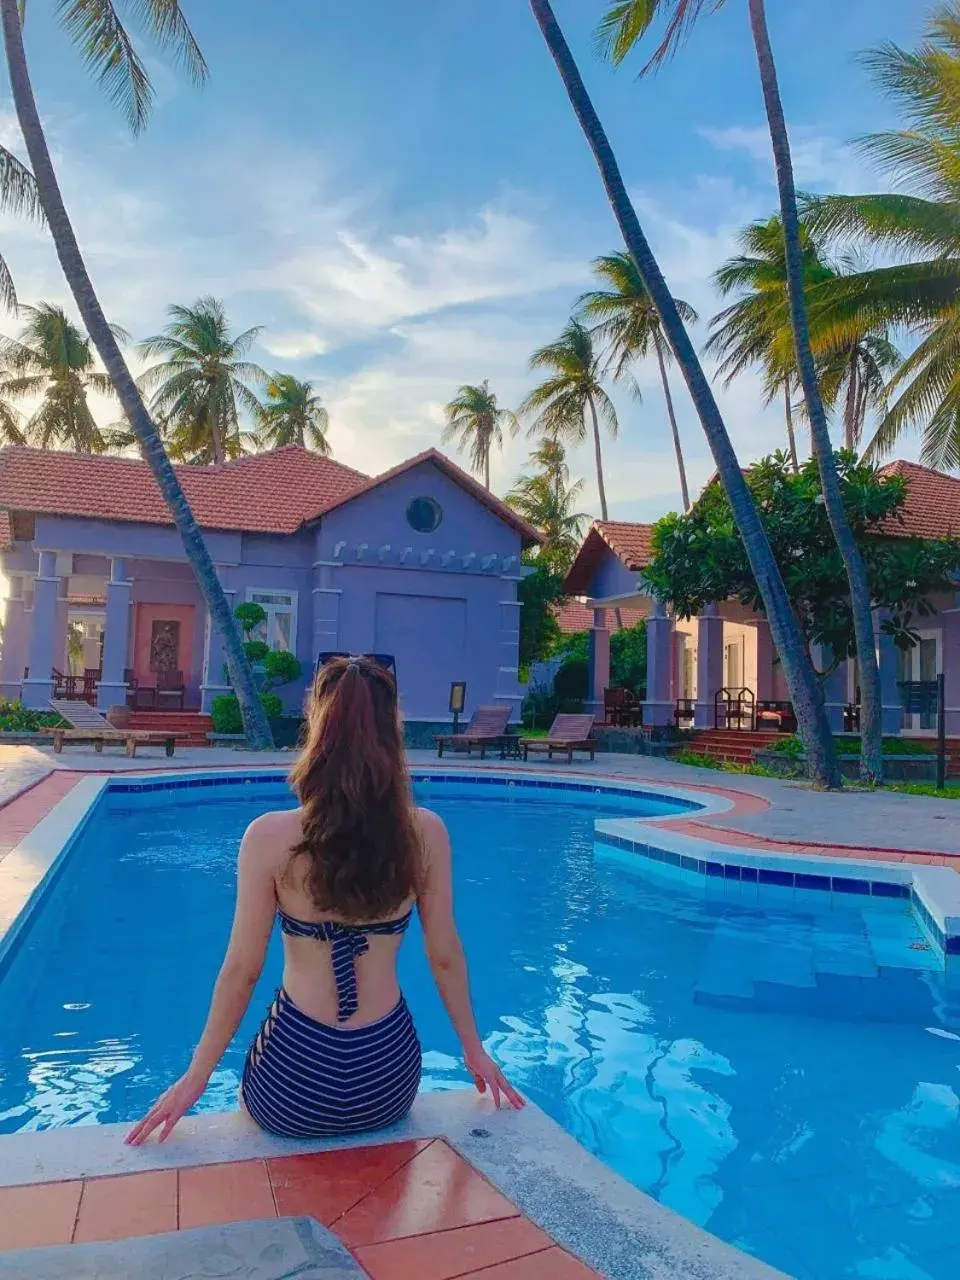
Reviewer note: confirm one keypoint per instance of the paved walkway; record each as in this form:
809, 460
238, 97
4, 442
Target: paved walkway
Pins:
776, 810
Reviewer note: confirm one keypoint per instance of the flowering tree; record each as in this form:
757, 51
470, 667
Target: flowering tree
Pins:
699, 557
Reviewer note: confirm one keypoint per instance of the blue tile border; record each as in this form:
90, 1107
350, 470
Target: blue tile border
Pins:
680, 804
852, 886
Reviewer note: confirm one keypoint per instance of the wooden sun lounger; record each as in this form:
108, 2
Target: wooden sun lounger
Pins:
88, 725
567, 734
487, 728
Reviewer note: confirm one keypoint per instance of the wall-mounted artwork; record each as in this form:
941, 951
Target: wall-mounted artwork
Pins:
165, 646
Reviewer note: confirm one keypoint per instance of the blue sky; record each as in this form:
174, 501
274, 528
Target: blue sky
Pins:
400, 194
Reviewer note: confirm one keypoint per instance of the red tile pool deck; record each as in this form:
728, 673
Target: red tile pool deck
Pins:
406, 1211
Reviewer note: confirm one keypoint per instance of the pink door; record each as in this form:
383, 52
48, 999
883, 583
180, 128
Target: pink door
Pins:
163, 641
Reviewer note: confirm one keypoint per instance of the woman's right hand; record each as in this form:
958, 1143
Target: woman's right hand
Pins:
486, 1074
169, 1108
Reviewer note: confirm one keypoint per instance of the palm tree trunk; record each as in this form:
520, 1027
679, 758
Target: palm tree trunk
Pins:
791, 434
598, 458
684, 491
871, 755
486, 467
71, 260
852, 401
805, 691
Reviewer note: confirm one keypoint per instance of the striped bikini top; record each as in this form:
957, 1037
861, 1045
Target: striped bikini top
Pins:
349, 942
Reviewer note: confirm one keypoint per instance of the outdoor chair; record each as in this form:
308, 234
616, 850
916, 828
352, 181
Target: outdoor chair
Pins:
170, 689
89, 726
487, 728
567, 734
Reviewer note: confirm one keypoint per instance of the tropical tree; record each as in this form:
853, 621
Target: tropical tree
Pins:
109, 51
628, 322
805, 690
200, 382
476, 421
919, 228
854, 371
546, 500
755, 329
572, 391
293, 413
52, 359
624, 25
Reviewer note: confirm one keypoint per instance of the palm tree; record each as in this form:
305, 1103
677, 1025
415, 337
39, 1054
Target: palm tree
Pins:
476, 418
755, 329
805, 691
54, 360
921, 289
625, 23
628, 321
293, 414
854, 372
107, 48
201, 380
545, 499
571, 391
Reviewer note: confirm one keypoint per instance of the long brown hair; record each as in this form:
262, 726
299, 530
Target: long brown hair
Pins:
361, 839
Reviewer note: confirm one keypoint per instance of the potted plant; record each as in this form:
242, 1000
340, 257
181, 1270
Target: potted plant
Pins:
271, 668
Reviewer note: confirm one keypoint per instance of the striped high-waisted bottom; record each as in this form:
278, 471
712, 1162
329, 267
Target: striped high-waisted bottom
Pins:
306, 1079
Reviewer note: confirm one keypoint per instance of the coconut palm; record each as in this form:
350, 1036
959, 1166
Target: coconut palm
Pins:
52, 359
293, 413
854, 372
550, 509
107, 48
805, 691
920, 290
201, 381
476, 421
571, 392
622, 28
627, 320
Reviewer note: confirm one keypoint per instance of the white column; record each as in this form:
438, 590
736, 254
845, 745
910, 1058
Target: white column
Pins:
659, 705
47, 638
709, 664
599, 664
112, 689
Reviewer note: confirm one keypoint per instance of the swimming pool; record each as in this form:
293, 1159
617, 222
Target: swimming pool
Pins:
782, 1071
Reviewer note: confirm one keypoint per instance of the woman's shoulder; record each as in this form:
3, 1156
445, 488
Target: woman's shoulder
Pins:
276, 831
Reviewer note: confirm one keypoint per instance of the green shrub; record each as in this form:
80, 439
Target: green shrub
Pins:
225, 711
249, 615
572, 680
541, 704
16, 718
280, 667
256, 650
698, 759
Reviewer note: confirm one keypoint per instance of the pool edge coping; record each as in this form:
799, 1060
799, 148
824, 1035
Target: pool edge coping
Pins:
582, 1203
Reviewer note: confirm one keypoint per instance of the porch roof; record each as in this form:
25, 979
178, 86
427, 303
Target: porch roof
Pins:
932, 508
631, 543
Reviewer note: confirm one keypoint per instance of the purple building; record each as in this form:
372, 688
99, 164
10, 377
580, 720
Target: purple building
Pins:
694, 663
421, 562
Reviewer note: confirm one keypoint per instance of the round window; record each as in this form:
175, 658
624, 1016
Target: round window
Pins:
424, 515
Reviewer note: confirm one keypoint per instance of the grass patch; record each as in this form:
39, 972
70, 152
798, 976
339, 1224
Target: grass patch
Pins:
952, 791
846, 746
701, 761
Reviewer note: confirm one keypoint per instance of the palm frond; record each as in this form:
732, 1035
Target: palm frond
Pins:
109, 52
171, 31
627, 22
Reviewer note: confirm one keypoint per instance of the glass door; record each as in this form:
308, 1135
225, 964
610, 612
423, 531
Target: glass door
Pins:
923, 662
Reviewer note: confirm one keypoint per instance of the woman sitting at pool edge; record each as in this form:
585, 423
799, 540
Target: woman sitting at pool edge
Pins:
338, 1051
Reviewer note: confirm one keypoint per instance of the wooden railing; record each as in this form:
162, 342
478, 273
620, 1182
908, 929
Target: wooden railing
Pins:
735, 707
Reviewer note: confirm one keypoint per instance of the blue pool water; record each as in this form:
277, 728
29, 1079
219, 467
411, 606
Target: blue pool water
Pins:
782, 1071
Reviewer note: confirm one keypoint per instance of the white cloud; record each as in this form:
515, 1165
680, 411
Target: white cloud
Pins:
293, 344
820, 161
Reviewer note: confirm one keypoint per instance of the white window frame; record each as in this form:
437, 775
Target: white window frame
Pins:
272, 609
911, 723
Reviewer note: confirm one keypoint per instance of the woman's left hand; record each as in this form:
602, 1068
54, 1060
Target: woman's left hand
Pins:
169, 1108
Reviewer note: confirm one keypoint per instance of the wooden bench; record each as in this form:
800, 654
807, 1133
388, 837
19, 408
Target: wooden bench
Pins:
132, 738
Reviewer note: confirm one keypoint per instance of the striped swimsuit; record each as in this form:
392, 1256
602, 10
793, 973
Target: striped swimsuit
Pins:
305, 1079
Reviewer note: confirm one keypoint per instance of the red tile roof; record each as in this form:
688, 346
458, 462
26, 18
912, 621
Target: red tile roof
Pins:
631, 543
6, 531
574, 616
272, 492
932, 508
